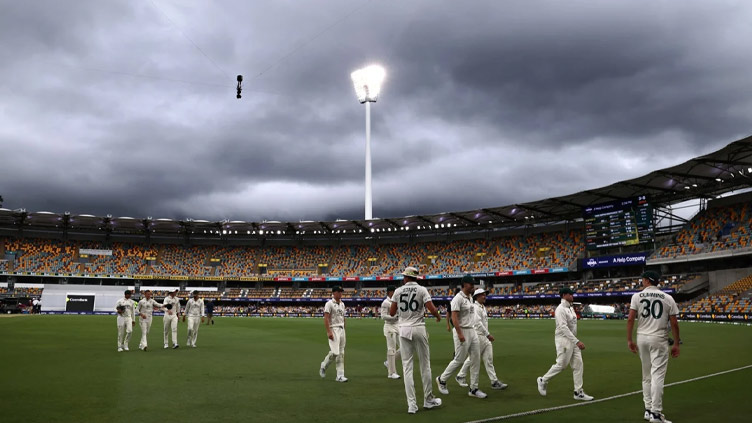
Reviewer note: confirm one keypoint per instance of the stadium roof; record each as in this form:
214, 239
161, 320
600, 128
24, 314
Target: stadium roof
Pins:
723, 171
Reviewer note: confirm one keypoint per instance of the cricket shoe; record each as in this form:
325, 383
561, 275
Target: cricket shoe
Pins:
144, 349
431, 403
176, 346
166, 346
386, 364
341, 379
193, 345
442, 386
541, 386
125, 349
412, 409
120, 349
582, 396
658, 418
647, 415
461, 380
394, 376
498, 385
477, 393
322, 372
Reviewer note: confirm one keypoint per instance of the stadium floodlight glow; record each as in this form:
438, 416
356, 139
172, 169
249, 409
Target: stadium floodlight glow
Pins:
367, 82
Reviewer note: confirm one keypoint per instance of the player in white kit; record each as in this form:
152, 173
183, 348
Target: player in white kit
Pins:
145, 310
171, 317
409, 303
334, 321
194, 310
485, 339
568, 347
391, 333
653, 308
466, 343
125, 320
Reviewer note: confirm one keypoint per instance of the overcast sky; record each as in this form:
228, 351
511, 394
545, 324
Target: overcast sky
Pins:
127, 107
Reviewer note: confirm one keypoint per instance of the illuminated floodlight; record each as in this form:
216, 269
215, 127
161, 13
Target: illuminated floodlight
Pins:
367, 82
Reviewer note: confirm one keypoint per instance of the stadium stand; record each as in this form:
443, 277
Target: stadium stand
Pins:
555, 249
734, 298
715, 229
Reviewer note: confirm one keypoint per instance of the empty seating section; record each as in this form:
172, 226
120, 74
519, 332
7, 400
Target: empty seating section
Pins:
545, 250
174, 260
236, 261
42, 256
715, 229
557, 249
735, 298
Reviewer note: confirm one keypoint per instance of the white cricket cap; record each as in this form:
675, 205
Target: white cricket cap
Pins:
479, 291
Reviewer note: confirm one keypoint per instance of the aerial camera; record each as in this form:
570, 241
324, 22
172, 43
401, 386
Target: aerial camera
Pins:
240, 88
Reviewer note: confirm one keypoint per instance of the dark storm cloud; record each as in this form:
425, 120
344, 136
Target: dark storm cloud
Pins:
109, 107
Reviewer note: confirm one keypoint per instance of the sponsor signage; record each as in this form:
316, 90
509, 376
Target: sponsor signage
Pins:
722, 317
352, 278
521, 272
633, 259
539, 271
333, 279
299, 279
76, 303
368, 278
318, 279
283, 279
383, 278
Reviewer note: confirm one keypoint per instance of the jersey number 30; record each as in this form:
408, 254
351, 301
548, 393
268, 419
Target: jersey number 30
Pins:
408, 304
652, 308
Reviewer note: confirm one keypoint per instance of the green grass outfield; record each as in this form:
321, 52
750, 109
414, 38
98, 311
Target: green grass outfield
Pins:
66, 369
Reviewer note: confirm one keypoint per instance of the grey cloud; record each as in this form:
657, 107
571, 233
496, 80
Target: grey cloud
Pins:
486, 104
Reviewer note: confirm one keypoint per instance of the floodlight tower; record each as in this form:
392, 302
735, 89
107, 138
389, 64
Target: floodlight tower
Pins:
367, 82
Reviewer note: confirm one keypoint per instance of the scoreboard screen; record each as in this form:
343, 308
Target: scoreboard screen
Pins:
618, 223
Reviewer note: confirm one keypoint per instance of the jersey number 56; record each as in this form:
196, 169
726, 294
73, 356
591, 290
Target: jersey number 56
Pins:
408, 304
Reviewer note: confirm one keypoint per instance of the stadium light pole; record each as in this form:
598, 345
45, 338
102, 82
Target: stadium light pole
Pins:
367, 82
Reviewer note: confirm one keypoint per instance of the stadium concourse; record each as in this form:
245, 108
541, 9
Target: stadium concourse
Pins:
596, 242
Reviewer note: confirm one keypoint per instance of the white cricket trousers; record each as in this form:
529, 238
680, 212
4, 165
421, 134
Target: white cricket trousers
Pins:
170, 325
336, 351
654, 351
145, 328
486, 356
193, 324
468, 350
408, 349
567, 354
391, 333
125, 329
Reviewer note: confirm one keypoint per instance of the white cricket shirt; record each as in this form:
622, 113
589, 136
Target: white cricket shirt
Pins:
411, 299
146, 307
566, 322
128, 304
194, 308
175, 301
336, 313
388, 320
481, 320
464, 305
653, 308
